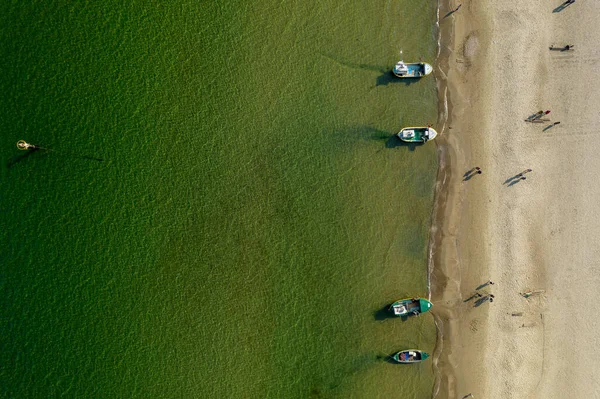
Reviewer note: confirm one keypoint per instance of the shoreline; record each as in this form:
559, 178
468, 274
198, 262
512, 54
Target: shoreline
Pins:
445, 275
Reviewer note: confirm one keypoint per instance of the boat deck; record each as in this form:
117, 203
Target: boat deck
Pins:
418, 134
415, 70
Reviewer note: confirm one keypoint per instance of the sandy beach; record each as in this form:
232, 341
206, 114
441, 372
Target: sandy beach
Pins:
535, 235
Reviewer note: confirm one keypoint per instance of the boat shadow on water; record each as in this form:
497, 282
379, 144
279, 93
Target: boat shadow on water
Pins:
43, 153
389, 139
384, 314
388, 77
388, 359
20, 158
394, 141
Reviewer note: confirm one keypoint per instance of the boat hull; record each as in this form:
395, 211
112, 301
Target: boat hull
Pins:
412, 70
410, 356
417, 134
410, 306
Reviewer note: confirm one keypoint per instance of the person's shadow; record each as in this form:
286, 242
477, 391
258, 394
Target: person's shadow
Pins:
480, 302
514, 182
469, 177
512, 178
475, 295
561, 49
562, 7
450, 13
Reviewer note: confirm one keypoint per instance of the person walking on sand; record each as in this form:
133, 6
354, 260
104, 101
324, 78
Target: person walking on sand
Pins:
468, 396
457, 8
523, 172
488, 298
538, 115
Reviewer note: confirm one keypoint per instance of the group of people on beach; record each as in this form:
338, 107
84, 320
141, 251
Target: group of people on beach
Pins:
488, 297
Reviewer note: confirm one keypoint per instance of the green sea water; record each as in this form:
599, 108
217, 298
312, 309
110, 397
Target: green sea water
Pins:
223, 210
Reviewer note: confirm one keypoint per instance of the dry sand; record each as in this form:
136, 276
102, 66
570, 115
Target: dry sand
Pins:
541, 233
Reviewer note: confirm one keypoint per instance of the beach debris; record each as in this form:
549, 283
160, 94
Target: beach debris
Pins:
528, 294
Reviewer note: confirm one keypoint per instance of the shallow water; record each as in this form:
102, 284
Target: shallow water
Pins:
223, 210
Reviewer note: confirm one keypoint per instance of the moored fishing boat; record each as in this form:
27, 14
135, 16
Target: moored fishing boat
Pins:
412, 69
407, 307
417, 134
410, 356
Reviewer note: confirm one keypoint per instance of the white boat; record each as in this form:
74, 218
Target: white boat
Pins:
412, 70
417, 134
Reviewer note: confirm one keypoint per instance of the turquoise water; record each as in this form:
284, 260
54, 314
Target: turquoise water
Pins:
223, 210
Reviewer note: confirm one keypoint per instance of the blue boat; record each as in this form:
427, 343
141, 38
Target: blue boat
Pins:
410, 356
412, 70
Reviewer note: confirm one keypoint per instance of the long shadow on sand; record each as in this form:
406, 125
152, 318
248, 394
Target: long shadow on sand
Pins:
480, 302
469, 177
510, 179
475, 295
561, 7
561, 49
514, 182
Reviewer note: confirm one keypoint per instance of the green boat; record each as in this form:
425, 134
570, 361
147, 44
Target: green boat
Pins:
410, 356
417, 134
408, 307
